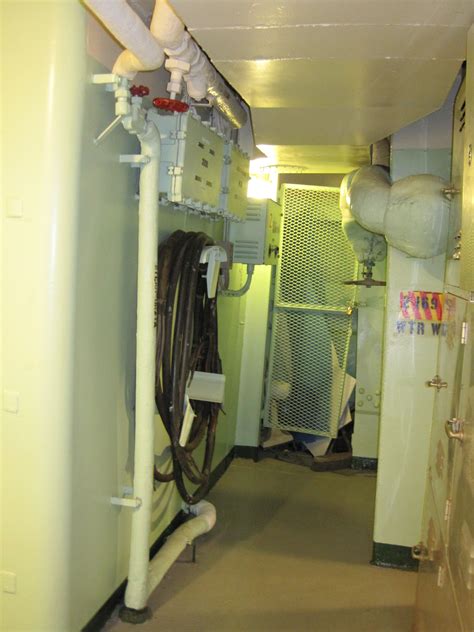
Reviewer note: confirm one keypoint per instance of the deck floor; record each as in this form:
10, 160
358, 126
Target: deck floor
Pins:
290, 552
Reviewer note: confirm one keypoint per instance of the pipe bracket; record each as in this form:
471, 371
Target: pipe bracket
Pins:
131, 503
135, 160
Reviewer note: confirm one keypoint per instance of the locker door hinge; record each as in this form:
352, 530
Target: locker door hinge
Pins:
464, 332
447, 509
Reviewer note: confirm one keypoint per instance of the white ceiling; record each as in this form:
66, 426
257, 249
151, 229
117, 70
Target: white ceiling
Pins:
333, 72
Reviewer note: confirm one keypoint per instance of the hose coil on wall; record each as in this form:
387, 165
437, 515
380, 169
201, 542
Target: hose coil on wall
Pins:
187, 341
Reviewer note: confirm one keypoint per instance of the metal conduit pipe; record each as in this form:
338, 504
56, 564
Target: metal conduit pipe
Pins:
246, 286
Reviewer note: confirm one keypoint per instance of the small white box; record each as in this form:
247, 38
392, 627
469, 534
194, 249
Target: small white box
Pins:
207, 387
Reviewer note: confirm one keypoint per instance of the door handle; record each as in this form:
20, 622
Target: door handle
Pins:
420, 552
437, 382
453, 428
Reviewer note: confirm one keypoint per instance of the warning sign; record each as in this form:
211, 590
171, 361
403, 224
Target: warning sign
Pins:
421, 306
421, 314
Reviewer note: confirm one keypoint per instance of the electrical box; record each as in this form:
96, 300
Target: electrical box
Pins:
235, 178
257, 239
192, 159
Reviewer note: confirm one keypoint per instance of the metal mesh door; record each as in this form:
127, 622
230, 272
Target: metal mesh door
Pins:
311, 324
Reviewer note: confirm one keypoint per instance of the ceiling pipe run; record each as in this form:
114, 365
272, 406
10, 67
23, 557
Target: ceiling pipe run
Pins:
145, 50
187, 61
142, 52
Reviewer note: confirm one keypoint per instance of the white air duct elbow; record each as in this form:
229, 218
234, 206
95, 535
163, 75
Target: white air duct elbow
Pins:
367, 246
417, 220
412, 214
142, 52
369, 196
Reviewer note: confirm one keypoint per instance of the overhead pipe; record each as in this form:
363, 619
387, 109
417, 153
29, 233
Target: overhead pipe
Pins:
188, 61
143, 52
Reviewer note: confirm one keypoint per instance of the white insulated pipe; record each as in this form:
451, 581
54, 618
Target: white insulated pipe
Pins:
204, 521
136, 594
411, 213
142, 52
202, 79
145, 51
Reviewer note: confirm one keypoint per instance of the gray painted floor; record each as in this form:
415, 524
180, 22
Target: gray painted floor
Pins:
290, 552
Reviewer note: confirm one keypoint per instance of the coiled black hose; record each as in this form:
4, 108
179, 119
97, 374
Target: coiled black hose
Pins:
187, 341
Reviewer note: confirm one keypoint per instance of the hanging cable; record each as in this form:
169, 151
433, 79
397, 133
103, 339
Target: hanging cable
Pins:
187, 341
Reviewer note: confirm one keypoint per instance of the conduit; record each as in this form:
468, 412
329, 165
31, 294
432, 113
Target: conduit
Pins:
246, 286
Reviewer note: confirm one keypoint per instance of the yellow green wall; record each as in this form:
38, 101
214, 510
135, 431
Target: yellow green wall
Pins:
68, 263
409, 361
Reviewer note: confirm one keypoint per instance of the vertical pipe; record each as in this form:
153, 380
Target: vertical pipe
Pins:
137, 588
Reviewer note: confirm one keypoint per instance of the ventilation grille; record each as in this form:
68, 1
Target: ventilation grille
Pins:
311, 318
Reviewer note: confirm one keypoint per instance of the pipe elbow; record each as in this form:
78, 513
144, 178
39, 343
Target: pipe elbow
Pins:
197, 86
125, 25
417, 219
166, 26
127, 65
150, 140
206, 511
368, 195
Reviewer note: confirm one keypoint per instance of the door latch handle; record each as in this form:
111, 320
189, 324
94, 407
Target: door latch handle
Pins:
437, 382
420, 552
453, 428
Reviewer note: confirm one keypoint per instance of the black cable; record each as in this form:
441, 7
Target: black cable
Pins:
187, 341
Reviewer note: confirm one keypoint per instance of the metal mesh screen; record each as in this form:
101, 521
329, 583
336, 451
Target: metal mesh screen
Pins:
311, 324
315, 254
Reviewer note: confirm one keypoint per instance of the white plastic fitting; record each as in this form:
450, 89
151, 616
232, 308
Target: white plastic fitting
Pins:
177, 69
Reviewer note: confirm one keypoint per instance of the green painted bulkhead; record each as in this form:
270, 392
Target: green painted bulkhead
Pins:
69, 268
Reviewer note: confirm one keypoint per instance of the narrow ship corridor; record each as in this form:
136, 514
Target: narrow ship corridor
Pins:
289, 552
237, 316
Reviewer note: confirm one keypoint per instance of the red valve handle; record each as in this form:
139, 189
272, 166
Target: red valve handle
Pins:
139, 91
170, 105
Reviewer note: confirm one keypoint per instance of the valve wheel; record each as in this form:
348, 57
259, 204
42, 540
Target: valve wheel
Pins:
170, 105
139, 91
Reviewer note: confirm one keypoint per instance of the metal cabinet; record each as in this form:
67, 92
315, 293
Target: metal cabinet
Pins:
436, 609
449, 500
